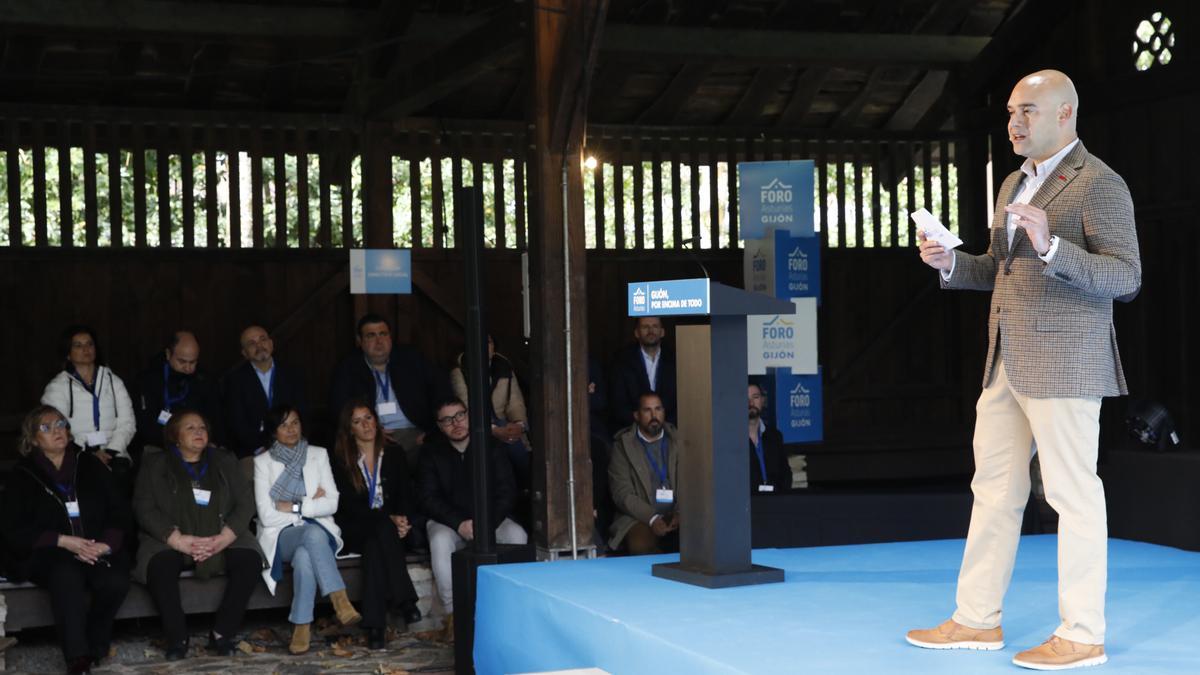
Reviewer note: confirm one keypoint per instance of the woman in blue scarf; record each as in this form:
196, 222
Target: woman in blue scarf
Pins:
296, 498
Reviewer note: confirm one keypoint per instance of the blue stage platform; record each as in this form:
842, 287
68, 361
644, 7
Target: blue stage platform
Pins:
841, 609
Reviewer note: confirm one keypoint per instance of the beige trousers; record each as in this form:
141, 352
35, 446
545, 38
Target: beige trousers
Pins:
1066, 432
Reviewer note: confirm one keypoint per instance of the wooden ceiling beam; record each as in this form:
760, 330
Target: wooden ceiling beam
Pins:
675, 44
851, 112
495, 44
762, 89
919, 101
666, 107
808, 86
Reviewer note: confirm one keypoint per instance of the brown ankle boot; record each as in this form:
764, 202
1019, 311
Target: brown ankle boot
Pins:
346, 614
448, 628
300, 638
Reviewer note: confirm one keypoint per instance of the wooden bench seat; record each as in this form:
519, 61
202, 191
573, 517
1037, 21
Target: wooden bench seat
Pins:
29, 605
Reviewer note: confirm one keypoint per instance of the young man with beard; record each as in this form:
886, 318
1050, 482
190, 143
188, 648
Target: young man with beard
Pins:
643, 475
769, 468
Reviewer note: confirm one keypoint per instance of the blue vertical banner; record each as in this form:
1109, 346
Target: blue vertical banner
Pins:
775, 195
798, 406
783, 259
380, 271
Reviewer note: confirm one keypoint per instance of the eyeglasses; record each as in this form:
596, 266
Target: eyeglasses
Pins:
452, 419
54, 426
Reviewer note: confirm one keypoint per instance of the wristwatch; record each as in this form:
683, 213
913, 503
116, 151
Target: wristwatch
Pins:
295, 507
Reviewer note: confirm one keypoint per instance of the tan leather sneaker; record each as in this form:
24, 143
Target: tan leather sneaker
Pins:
953, 635
1061, 654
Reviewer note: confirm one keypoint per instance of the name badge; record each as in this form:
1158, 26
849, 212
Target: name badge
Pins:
73, 509
387, 408
96, 439
164, 417
201, 496
766, 488
664, 496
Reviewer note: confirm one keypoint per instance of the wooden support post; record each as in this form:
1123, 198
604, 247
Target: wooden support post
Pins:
565, 38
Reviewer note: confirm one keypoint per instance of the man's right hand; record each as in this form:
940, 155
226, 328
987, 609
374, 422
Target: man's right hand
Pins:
934, 254
660, 527
466, 530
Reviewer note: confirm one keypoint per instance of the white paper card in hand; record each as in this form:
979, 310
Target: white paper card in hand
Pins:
935, 230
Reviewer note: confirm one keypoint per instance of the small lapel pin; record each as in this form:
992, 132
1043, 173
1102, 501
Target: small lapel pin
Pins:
1061, 177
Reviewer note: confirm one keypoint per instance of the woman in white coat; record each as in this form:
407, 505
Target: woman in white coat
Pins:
296, 498
93, 399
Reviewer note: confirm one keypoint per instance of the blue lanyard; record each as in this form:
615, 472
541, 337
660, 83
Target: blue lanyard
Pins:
67, 490
196, 477
762, 464
372, 481
659, 470
94, 391
167, 400
384, 385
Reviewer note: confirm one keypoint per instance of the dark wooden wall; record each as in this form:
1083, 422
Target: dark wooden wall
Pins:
1142, 125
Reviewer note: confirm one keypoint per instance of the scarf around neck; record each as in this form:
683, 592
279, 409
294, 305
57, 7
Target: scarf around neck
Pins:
289, 487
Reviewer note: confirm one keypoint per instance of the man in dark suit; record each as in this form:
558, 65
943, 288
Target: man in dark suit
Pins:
1063, 247
174, 381
254, 387
400, 382
646, 365
769, 468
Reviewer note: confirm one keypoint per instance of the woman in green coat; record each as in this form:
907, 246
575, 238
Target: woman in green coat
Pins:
193, 506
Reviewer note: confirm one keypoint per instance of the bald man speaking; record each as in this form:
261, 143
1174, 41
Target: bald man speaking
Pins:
1063, 247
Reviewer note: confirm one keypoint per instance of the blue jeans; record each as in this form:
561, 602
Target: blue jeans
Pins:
307, 547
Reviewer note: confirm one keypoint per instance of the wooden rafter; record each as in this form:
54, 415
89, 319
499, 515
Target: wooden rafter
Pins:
851, 112
764, 47
808, 85
762, 88
666, 107
419, 84
919, 101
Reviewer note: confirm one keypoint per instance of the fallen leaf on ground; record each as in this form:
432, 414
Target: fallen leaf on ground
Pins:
338, 650
245, 647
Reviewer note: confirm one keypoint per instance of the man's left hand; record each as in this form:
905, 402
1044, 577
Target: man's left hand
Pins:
1033, 220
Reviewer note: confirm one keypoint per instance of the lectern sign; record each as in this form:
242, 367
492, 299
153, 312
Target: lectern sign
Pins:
664, 298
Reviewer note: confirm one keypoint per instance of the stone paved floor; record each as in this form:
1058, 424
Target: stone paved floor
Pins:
263, 649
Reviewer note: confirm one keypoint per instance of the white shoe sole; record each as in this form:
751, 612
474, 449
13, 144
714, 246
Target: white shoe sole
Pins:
977, 646
1094, 661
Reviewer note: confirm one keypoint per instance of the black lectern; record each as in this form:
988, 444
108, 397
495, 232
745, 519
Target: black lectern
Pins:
714, 537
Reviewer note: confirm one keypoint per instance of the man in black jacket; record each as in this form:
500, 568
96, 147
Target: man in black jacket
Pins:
253, 387
174, 382
645, 366
769, 468
402, 384
447, 494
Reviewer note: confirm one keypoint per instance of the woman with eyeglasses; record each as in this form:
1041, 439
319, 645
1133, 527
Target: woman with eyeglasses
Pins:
296, 498
374, 513
193, 506
93, 399
62, 523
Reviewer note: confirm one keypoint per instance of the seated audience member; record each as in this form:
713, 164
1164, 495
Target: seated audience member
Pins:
296, 498
769, 468
642, 475
255, 386
447, 495
93, 399
193, 505
400, 383
174, 382
646, 365
506, 409
374, 512
63, 523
